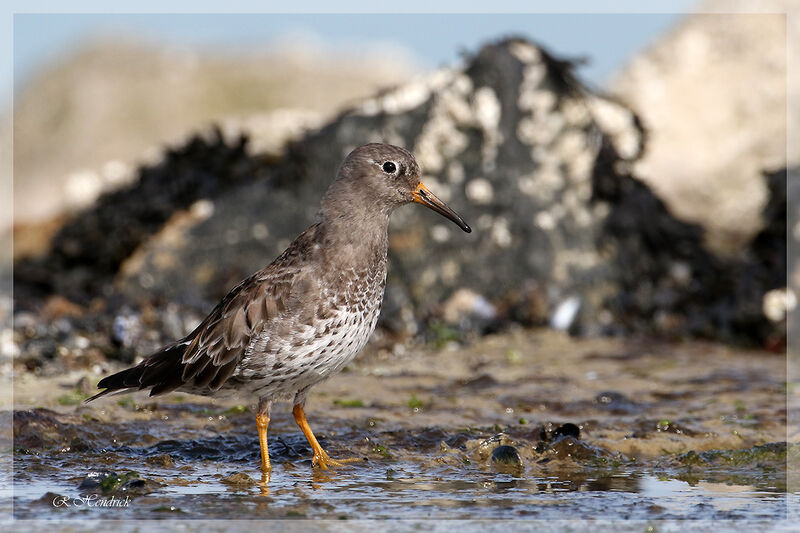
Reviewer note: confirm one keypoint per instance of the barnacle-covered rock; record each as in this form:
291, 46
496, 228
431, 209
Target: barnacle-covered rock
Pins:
565, 234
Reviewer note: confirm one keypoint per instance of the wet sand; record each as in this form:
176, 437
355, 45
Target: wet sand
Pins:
522, 425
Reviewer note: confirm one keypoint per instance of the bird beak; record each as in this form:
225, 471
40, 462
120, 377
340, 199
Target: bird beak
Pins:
423, 195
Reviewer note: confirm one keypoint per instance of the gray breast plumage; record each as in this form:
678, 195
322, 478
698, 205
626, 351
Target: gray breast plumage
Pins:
342, 312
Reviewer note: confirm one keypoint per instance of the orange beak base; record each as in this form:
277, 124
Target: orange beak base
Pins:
423, 195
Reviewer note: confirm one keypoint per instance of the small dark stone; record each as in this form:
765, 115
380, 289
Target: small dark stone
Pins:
567, 430
139, 486
110, 482
507, 455
506, 460
94, 479
133, 484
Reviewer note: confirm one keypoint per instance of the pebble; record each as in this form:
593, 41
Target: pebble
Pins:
164, 460
567, 430
505, 457
239, 479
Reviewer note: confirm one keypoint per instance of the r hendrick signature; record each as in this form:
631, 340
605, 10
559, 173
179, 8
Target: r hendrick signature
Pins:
91, 500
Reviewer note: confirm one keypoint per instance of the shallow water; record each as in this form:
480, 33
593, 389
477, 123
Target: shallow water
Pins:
386, 488
602, 430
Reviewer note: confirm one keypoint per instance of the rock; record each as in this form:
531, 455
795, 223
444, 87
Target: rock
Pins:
468, 310
38, 429
486, 447
88, 251
647, 428
565, 231
239, 479
109, 482
93, 479
567, 430
572, 448
127, 329
506, 458
548, 433
793, 265
668, 283
163, 460
51, 499
696, 81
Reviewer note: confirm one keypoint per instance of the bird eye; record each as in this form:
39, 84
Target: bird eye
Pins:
389, 167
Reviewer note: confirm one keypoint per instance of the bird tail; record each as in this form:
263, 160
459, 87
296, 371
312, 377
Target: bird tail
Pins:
160, 372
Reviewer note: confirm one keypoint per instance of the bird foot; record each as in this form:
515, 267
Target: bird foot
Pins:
322, 460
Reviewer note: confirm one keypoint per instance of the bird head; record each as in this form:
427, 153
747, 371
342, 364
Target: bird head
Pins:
384, 177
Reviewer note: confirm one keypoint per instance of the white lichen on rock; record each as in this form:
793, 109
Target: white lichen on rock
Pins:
440, 233
618, 123
441, 140
501, 234
479, 191
525, 52
487, 111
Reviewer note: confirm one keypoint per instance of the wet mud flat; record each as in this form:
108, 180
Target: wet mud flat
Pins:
522, 425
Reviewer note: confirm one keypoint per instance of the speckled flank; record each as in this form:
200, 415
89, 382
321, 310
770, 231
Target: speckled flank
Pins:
276, 366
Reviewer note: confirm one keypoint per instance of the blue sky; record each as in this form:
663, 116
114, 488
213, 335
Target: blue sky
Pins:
607, 40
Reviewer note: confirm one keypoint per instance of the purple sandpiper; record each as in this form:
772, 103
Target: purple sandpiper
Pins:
304, 317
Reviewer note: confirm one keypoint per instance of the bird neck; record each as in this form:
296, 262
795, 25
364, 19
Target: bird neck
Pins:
357, 237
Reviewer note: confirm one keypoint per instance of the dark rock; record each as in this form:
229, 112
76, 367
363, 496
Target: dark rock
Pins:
483, 381
793, 266
549, 432
38, 429
506, 458
93, 479
567, 430
108, 482
669, 283
87, 252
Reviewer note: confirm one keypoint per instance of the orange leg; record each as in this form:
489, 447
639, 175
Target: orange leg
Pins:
321, 458
262, 423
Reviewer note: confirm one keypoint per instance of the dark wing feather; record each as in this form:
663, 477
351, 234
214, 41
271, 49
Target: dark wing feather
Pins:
206, 358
